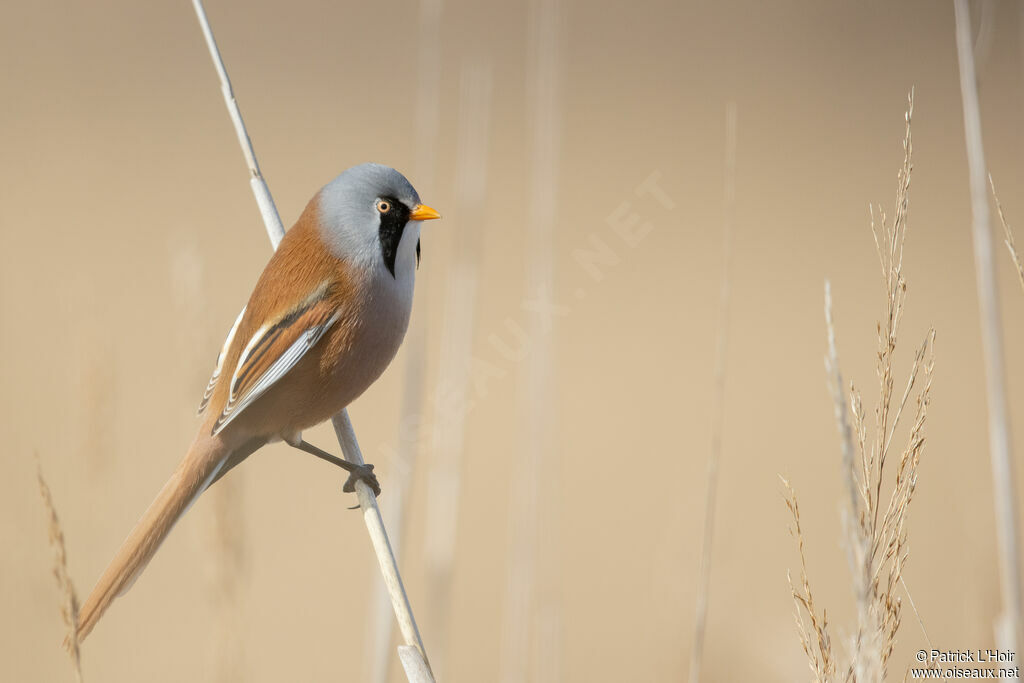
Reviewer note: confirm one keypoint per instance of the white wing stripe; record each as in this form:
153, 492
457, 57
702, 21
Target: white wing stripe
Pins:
220, 362
246, 352
276, 371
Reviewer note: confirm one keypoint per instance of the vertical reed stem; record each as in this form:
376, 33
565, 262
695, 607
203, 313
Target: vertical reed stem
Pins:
411, 413
718, 395
531, 647
454, 368
991, 337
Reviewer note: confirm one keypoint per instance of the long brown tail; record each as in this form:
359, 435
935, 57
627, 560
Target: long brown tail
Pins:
205, 458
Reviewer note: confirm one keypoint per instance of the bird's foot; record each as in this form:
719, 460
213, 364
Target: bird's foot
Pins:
363, 473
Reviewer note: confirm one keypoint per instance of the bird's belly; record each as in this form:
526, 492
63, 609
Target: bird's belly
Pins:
349, 358
364, 355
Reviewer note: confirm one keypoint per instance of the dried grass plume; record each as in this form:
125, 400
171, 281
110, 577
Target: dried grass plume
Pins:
875, 515
69, 598
1011, 246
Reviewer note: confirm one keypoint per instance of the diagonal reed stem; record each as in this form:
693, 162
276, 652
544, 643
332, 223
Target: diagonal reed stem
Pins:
417, 667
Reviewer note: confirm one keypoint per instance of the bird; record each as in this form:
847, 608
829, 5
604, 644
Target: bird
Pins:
325, 319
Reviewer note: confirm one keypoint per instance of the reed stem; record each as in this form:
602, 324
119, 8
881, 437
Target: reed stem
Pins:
416, 667
1003, 477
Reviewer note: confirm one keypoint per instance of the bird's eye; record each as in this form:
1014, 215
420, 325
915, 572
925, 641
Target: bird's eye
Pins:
383, 205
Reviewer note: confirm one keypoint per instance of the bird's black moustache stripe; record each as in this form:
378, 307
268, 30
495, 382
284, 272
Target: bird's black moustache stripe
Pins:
392, 225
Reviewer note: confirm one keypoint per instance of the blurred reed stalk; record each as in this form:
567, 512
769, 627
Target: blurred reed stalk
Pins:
1010, 627
532, 620
717, 396
874, 516
99, 384
226, 535
1011, 246
410, 420
455, 366
412, 654
69, 597
986, 34
229, 570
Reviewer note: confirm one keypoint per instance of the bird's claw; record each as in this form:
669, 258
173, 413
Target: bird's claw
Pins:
365, 474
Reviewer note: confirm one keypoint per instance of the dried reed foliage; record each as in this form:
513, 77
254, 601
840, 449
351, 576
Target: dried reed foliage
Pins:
1008, 234
69, 597
813, 629
874, 521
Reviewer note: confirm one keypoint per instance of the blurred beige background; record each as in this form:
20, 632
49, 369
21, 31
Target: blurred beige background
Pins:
131, 240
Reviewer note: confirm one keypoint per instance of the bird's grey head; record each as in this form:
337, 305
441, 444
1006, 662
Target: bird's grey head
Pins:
370, 215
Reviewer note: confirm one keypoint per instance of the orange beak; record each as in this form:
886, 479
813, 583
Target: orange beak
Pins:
422, 212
